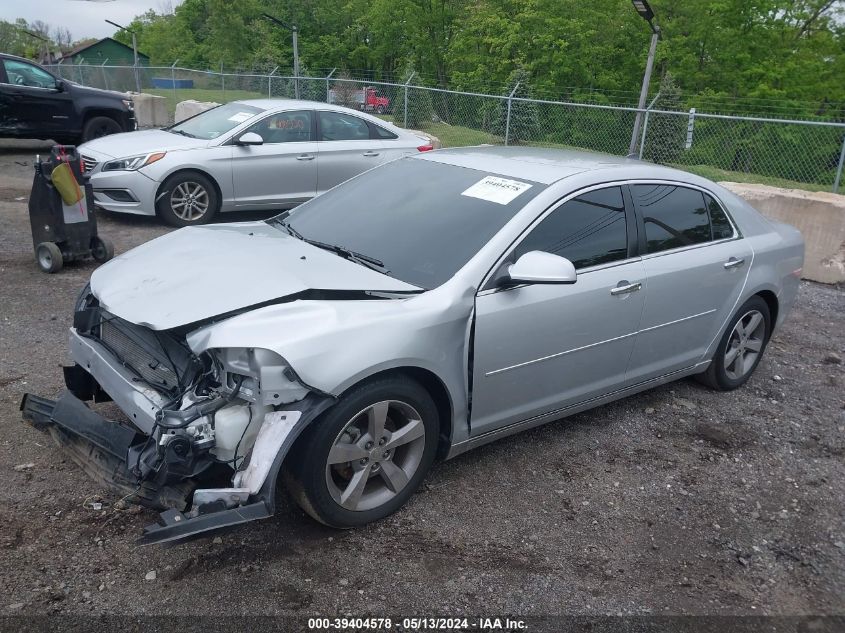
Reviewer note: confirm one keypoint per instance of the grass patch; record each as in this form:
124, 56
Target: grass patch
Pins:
714, 173
459, 136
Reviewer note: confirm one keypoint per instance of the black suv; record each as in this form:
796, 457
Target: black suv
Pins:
36, 104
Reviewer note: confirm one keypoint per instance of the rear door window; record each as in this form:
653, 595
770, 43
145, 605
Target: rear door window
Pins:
673, 216
336, 126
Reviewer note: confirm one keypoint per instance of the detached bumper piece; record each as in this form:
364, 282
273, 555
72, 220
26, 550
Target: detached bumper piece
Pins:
104, 450
100, 447
174, 525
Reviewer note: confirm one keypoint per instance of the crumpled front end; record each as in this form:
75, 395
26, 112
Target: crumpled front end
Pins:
204, 435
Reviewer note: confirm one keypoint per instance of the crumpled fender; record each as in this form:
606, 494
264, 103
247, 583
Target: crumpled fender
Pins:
269, 451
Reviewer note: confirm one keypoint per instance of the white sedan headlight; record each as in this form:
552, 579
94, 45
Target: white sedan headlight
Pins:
133, 162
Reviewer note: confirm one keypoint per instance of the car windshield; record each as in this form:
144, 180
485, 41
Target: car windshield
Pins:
212, 123
419, 219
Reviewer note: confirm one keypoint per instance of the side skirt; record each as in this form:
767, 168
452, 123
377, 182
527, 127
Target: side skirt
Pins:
543, 418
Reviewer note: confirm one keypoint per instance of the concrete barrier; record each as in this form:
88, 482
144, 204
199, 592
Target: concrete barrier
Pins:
432, 140
191, 107
150, 110
820, 216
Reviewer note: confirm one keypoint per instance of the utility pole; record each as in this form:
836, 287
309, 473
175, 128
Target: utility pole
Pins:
642, 7
134, 53
295, 32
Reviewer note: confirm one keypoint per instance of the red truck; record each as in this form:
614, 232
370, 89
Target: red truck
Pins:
366, 98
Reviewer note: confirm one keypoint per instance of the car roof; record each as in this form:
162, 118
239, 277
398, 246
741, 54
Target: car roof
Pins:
18, 58
269, 105
546, 165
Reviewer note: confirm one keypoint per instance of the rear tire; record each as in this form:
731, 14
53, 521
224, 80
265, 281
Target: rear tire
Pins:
99, 126
49, 257
388, 430
741, 348
187, 198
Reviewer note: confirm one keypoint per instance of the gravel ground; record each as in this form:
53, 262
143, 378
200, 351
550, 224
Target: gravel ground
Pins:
677, 501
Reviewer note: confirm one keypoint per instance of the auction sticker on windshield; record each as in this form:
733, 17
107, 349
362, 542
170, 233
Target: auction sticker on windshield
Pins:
240, 117
498, 190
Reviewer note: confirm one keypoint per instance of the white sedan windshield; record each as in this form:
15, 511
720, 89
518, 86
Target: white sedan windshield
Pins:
212, 123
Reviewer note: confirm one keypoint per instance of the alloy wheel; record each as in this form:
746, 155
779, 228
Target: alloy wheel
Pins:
189, 201
745, 344
375, 455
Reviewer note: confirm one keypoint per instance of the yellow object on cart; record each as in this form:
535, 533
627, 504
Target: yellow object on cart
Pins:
65, 183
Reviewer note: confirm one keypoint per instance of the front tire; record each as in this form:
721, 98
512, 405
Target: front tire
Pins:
741, 348
365, 457
187, 198
99, 126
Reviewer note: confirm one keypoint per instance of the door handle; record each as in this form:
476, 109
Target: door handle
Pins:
371, 153
621, 290
305, 157
733, 262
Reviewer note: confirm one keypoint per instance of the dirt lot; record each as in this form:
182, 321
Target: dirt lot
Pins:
680, 500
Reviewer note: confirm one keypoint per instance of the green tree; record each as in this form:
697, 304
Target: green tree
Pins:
666, 133
524, 123
420, 110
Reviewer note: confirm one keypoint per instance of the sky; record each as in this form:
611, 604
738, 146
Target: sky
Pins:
84, 18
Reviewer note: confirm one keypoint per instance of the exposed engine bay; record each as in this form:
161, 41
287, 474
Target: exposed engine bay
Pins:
187, 447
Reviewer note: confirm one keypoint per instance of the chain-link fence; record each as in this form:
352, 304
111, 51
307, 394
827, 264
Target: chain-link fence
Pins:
806, 154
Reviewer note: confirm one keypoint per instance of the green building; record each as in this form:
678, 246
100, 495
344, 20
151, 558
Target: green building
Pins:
117, 54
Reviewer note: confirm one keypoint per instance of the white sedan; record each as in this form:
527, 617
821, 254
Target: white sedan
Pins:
245, 155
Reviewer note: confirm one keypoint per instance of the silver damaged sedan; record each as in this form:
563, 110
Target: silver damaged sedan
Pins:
417, 311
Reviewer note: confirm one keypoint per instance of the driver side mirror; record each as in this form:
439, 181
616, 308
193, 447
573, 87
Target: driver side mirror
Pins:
250, 138
60, 85
539, 267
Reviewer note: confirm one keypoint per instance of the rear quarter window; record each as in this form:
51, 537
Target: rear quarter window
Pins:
721, 225
378, 132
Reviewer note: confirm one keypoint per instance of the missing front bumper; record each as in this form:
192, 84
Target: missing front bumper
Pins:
100, 447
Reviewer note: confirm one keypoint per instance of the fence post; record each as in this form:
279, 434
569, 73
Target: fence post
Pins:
79, 71
839, 169
328, 90
270, 82
407, 83
173, 80
223, 80
103, 72
508, 119
645, 124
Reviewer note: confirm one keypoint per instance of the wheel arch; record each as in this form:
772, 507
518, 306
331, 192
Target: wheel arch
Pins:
186, 170
316, 405
436, 388
95, 111
771, 300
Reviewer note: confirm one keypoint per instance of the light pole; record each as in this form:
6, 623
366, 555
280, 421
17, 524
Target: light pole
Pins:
134, 53
46, 50
646, 14
295, 31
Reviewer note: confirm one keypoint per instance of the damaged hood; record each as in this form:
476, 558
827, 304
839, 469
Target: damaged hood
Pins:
198, 273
